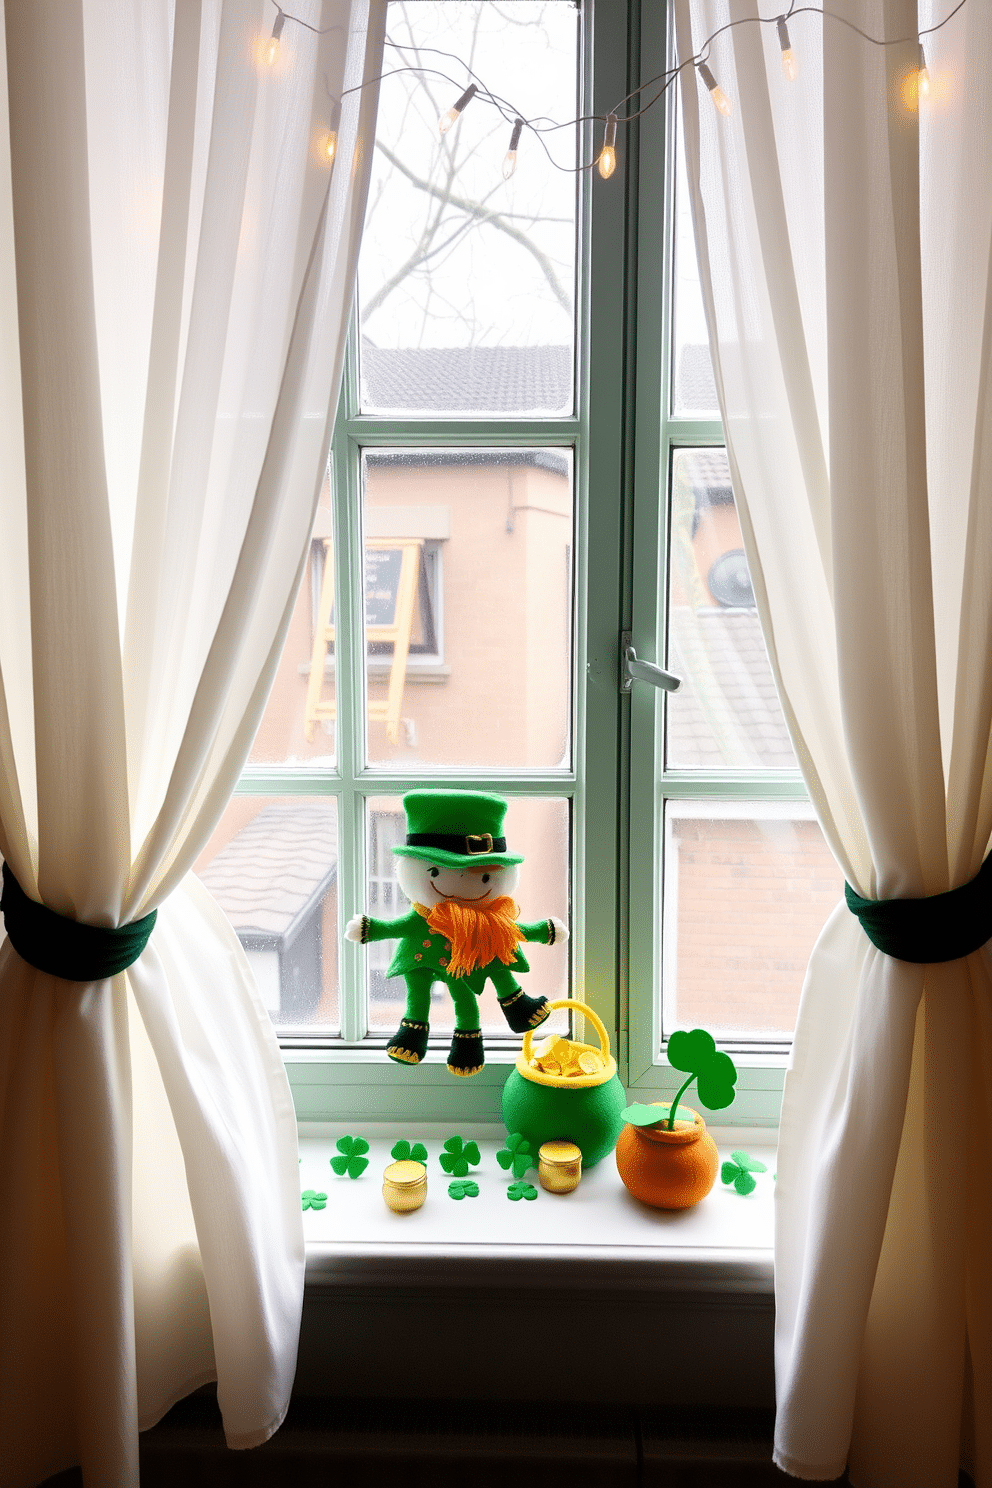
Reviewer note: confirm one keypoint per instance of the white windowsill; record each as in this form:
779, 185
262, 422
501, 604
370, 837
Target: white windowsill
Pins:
598, 1237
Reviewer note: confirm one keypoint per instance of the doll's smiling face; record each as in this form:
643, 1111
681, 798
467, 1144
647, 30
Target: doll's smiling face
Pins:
424, 882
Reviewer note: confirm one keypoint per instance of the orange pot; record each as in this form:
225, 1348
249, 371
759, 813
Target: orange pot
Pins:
668, 1169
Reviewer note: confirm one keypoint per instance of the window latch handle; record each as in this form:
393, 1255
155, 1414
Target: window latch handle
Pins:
632, 670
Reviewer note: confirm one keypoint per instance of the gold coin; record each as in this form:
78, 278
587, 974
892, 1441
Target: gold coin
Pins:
405, 1172
590, 1063
559, 1152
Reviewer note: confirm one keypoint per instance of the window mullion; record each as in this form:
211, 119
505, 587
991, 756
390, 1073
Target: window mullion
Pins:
349, 658
648, 576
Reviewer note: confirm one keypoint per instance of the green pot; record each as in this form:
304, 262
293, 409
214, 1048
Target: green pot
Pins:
546, 1108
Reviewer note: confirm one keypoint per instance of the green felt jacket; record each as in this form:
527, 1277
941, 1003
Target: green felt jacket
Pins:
421, 949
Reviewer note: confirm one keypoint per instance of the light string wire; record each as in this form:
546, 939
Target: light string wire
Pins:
541, 124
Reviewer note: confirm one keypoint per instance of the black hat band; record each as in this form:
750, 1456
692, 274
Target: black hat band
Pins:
466, 847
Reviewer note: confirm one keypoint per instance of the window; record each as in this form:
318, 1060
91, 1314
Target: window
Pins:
527, 462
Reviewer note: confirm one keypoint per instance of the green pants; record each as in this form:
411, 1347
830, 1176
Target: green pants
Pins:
418, 994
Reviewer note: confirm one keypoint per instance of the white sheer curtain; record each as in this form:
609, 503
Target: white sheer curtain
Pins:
844, 232
176, 265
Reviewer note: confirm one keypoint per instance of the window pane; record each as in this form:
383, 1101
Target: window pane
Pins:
538, 828
693, 385
298, 722
272, 866
467, 280
727, 711
748, 888
468, 606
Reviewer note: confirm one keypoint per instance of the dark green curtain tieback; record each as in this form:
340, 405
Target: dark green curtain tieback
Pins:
66, 948
943, 927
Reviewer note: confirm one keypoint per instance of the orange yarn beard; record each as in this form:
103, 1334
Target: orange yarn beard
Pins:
477, 936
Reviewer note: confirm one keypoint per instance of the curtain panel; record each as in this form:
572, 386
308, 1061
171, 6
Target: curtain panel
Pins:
844, 233
177, 258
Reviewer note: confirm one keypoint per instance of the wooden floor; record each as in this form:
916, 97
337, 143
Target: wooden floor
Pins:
389, 1444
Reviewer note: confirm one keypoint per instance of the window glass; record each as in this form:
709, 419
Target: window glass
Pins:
727, 713
467, 279
693, 384
468, 606
536, 827
298, 722
272, 866
748, 888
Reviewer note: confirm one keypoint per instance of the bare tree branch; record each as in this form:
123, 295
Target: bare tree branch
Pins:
478, 213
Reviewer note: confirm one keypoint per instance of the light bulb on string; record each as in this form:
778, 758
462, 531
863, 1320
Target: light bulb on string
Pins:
608, 154
789, 64
272, 46
450, 115
510, 158
328, 146
923, 76
721, 101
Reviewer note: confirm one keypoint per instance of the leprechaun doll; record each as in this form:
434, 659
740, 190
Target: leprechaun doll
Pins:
463, 928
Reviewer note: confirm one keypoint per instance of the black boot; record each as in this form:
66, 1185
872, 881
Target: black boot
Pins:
410, 1043
467, 1054
523, 1012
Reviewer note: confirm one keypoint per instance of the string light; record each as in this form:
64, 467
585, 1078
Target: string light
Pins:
608, 154
510, 158
789, 64
923, 84
272, 49
450, 115
720, 99
919, 78
328, 146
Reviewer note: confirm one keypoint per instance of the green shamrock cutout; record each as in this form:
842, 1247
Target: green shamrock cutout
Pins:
312, 1200
351, 1160
516, 1155
463, 1188
641, 1115
521, 1190
738, 1172
696, 1053
403, 1152
457, 1156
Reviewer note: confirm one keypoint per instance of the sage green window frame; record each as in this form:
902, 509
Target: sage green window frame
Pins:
622, 438
343, 1077
761, 1065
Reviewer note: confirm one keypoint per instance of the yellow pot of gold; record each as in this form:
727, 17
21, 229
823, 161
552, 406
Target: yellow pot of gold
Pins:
566, 1091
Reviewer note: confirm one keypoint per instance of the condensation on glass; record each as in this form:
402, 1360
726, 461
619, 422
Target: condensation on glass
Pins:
467, 278
272, 866
748, 887
692, 382
726, 713
468, 607
299, 723
537, 827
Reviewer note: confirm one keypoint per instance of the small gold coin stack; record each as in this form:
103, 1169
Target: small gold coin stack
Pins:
560, 1056
559, 1166
404, 1186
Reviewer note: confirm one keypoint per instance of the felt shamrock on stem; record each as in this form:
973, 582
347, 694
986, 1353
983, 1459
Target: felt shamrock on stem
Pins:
696, 1054
457, 1156
516, 1155
403, 1152
739, 1170
351, 1160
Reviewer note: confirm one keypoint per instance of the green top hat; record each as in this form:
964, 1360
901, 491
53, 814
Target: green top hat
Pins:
455, 828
